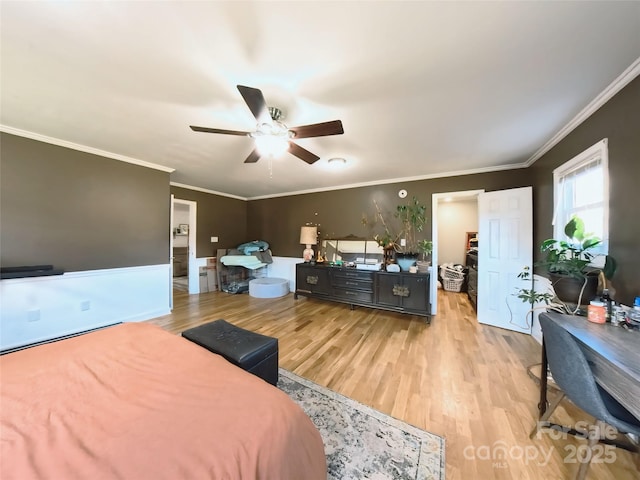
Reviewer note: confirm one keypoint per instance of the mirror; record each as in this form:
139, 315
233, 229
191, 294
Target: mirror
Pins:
352, 250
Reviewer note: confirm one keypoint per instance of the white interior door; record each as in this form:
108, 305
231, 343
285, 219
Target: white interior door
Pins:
505, 237
171, 254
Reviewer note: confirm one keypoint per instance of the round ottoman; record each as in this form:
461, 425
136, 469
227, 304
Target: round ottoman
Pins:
268, 287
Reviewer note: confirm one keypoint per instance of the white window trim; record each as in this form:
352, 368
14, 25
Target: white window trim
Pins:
600, 150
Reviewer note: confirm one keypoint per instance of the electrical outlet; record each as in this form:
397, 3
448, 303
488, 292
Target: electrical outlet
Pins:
214, 239
403, 242
33, 315
86, 305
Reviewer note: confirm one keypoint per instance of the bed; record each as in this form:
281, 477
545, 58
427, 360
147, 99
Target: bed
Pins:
135, 402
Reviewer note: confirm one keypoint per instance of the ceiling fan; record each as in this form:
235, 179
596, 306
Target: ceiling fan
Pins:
272, 136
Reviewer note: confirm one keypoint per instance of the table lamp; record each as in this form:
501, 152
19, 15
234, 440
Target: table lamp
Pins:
308, 237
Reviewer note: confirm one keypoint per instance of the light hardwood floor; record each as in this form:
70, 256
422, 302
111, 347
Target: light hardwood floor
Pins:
456, 378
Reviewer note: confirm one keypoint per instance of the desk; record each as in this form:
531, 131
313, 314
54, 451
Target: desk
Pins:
614, 355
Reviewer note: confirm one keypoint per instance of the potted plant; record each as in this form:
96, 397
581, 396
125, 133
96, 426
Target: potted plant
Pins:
425, 247
410, 219
569, 264
412, 216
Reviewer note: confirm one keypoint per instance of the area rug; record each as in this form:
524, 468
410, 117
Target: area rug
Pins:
363, 443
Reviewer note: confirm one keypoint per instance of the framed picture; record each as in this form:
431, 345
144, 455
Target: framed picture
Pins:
183, 228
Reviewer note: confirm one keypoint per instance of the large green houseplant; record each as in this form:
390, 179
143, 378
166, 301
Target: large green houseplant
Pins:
408, 220
569, 264
412, 216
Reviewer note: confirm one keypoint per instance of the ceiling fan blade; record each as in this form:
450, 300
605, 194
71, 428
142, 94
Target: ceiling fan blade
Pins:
318, 129
253, 157
303, 153
256, 103
218, 130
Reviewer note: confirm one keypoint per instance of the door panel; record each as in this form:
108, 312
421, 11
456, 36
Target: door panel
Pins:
505, 248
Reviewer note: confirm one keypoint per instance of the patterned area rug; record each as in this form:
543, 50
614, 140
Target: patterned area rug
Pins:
363, 443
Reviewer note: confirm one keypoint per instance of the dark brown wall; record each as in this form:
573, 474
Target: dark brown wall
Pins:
619, 121
340, 212
79, 211
217, 216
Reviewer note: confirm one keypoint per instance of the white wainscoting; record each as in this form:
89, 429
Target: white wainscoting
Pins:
41, 308
284, 267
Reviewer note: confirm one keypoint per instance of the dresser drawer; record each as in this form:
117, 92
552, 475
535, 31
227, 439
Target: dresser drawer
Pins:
352, 275
353, 283
353, 295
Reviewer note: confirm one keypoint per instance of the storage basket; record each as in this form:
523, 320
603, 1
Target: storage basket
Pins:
452, 274
452, 284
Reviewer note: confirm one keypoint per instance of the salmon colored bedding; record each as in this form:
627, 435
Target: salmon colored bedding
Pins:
135, 402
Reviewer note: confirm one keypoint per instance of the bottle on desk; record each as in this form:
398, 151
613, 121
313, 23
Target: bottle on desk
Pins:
618, 316
608, 304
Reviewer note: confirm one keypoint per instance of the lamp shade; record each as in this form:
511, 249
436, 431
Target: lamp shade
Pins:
308, 235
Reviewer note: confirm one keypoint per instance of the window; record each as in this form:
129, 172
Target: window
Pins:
581, 187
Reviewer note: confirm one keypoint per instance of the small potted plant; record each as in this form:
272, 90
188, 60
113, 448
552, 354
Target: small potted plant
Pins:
425, 247
569, 264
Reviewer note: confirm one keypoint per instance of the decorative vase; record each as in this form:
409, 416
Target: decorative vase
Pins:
423, 267
406, 260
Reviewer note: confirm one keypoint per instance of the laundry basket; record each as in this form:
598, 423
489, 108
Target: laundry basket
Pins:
452, 284
452, 279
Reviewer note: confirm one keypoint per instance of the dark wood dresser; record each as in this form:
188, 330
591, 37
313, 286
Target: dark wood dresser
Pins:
399, 292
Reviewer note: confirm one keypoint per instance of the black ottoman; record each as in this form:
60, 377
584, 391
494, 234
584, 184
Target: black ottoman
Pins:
255, 353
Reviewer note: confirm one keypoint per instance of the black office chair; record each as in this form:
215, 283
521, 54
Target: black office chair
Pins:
572, 373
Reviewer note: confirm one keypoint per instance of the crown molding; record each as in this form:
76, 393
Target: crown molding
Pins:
206, 190
83, 148
394, 180
614, 87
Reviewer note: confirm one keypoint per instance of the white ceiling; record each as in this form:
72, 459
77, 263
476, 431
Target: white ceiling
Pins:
423, 89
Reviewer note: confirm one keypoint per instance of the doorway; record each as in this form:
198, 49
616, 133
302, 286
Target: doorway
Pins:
450, 237
505, 227
184, 271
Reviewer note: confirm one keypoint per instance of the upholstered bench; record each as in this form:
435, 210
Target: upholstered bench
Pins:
253, 352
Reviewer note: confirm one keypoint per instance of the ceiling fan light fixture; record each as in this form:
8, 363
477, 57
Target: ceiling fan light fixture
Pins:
271, 145
272, 139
